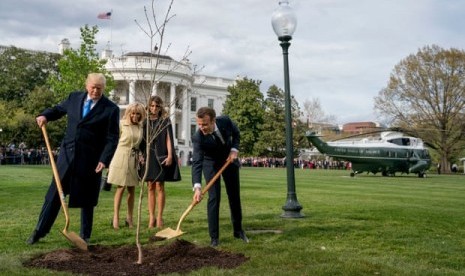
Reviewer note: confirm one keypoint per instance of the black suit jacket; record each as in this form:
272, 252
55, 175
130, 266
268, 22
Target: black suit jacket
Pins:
87, 142
211, 154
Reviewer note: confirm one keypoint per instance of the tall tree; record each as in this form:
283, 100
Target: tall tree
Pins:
426, 95
314, 113
22, 71
244, 105
74, 66
272, 142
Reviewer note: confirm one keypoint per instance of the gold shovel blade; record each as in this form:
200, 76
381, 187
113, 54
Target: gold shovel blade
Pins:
75, 239
169, 233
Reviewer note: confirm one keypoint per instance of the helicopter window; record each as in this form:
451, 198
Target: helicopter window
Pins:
400, 141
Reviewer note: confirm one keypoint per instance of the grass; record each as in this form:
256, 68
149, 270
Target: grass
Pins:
367, 225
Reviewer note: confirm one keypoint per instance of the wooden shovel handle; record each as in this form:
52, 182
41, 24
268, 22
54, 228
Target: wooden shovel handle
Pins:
56, 176
204, 191
216, 176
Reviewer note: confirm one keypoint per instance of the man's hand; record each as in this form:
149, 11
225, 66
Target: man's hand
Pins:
100, 167
41, 121
197, 195
233, 155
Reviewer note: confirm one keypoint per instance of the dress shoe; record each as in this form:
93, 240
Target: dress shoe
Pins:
33, 238
214, 242
241, 235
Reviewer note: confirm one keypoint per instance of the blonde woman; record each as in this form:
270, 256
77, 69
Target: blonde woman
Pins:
162, 163
123, 167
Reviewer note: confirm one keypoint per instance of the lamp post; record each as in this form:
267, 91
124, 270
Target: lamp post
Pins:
284, 23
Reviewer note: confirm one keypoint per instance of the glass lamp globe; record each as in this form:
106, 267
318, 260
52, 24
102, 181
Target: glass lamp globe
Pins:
284, 21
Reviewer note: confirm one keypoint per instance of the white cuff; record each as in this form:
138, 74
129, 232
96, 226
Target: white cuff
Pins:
197, 185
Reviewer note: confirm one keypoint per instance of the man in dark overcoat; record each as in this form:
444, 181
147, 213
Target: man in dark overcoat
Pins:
87, 148
217, 140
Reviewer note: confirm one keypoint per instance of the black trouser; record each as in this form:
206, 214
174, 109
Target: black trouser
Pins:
231, 180
50, 210
49, 213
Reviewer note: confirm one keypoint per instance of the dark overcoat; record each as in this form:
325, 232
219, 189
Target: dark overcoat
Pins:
87, 142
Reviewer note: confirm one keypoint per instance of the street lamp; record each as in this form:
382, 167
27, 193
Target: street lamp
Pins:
284, 23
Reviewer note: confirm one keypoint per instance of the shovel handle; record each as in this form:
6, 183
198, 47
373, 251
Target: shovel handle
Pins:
204, 191
56, 176
216, 176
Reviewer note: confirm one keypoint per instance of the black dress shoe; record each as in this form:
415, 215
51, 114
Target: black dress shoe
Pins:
214, 242
33, 238
241, 235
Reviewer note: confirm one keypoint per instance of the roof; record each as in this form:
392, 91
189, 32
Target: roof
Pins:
146, 54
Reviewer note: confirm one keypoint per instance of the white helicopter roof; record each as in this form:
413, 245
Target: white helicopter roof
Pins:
385, 139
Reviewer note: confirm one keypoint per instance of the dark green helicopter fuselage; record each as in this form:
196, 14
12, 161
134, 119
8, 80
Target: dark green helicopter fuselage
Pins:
388, 156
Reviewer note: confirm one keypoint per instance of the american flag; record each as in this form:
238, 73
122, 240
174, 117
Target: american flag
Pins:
104, 15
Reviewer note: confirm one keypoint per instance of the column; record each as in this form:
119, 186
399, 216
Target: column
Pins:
172, 106
154, 88
132, 91
186, 126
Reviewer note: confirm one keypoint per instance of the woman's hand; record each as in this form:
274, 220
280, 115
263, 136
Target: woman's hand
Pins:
168, 161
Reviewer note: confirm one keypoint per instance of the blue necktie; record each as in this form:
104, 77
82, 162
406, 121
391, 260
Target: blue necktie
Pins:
86, 108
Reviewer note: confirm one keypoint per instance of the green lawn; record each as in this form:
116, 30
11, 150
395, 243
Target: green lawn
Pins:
367, 225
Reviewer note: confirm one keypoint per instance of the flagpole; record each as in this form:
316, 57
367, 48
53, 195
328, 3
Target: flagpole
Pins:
111, 28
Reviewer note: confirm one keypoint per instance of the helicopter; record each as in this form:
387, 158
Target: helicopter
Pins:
389, 153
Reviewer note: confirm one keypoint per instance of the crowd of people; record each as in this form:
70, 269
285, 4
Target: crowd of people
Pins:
11, 155
96, 139
298, 163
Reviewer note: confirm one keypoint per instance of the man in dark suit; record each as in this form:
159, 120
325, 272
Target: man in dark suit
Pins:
216, 141
87, 148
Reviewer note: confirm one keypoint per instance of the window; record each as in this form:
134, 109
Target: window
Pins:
210, 103
176, 130
178, 103
193, 129
194, 104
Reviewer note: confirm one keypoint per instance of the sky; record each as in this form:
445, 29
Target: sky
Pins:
342, 52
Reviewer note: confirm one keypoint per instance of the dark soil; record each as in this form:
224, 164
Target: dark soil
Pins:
179, 256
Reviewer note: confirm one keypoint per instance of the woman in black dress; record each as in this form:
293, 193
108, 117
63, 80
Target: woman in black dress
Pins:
162, 160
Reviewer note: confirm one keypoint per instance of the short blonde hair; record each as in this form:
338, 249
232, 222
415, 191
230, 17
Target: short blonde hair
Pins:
136, 108
99, 77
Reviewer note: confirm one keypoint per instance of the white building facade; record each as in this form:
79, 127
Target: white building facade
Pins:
139, 75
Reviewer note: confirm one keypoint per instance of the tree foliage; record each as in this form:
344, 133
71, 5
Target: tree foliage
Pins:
244, 105
272, 141
426, 95
74, 66
22, 71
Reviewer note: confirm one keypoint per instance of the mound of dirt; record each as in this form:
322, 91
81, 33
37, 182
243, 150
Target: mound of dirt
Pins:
179, 256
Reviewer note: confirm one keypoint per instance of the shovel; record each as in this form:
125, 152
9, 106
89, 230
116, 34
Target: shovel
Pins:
71, 236
169, 233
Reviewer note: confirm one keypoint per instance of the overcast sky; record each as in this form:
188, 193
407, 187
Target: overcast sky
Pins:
342, 52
